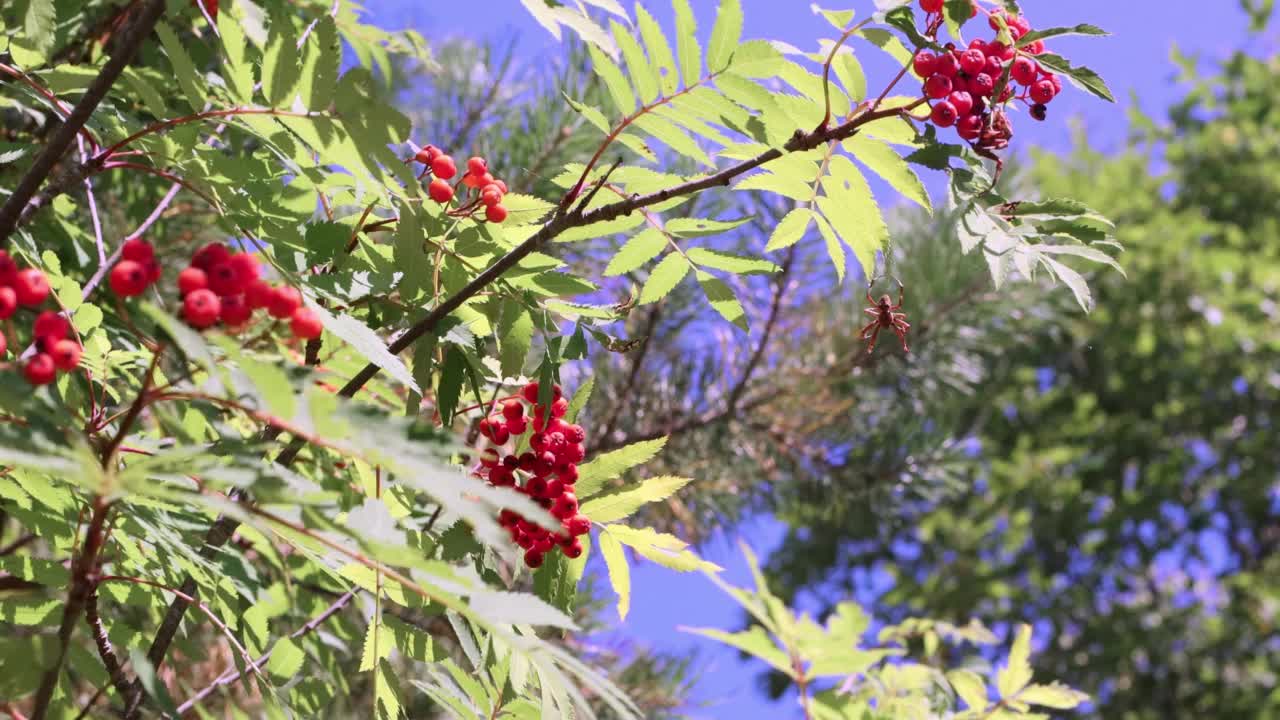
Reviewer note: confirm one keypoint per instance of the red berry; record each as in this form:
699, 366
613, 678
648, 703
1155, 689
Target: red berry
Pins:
995, 67
962, 101
568, 474
501, 434
530, 392
947, 65
982, 85
490, 196
517, 426
210, 255
443, 168
1043, 92
485, 427
944, 114
575, 434
512, 410
925, 63
575, 452
973, 61
489, 458
427, 154
1035, 47
533, 559
137, 250
153, 271
1057, 82
201, 308
8, 302
511, 462
1024, 70
246, 266
578, 525
969, 127
224, 280
66, 355
4, 345
495, 213
1001, 51
128, 278
501, 186
937, 86
440, 191
477, 166
931, 6
235, 311
258, 294
31, 286
192, 279
284, 301
572, 549
50, 327
8, 268
567, 503
507, 518
305, 324
536, 486
40, 369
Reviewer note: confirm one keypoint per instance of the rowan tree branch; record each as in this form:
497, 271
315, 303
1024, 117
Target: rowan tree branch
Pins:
19, 203
559, 222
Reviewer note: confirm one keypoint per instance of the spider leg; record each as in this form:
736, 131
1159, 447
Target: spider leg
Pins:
902, 335
872, 312
866, 329
901, 321
901, 294
869, 298
875, 334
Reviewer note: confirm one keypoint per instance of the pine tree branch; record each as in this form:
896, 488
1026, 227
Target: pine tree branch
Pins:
20, 204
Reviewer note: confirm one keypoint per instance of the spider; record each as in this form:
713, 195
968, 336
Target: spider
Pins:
885, 317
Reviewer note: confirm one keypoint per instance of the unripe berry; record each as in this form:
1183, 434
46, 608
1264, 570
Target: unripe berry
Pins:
305, 324
201, 308
31, 287
962, 101
40, 369
235, 311
937, 86
210, 255
137, 250
969, 127
477, 166
128, 278
50, 327
1043, 92
257, 294
925, 63
944, 114
1024, 70
284, 301
66, 354
443, 168
8, 302
973, 61
440, 191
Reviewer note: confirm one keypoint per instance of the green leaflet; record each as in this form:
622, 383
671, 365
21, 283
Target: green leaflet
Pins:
593, 475
637, 251
515, 334
790, 230
237, 70
623, 503
1081, 77
324, 59
619, 89
723, 300
369, 344
891, 168
970, 687
668, 551
725, 35
852, 211
729, 262
184, 70
687, 42
664, 63
673, 137
835, 250
754, 642
665, 276
1016, 673
615, 560
695, 227
642, 74
286, 660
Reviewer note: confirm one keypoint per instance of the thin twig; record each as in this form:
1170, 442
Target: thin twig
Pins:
15, 206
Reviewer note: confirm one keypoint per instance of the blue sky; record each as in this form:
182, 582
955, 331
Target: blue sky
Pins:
1136, 64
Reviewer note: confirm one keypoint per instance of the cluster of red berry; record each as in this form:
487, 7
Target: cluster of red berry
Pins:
225, 286
488, 190
962, 82
50, 332
546, 472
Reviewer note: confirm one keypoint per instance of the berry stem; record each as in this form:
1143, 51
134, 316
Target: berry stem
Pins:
197, 117
826, 68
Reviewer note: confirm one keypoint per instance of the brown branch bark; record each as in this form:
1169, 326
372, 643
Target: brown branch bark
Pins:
20, 205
